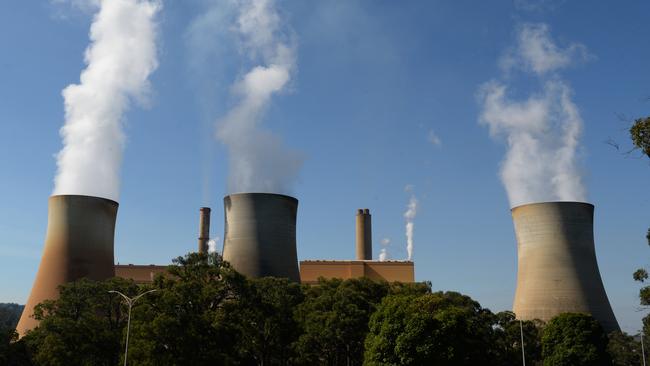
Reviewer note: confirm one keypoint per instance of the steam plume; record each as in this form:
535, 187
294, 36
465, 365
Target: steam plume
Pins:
542, 132
258, 160
383, 254
212, 245
409, 216
119, 59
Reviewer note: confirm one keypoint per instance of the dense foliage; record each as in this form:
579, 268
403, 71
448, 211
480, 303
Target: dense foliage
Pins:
640, 135
573, 339
205, 313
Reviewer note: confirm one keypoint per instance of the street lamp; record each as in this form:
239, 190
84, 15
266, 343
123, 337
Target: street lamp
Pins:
521, 331
130, 302
642, 348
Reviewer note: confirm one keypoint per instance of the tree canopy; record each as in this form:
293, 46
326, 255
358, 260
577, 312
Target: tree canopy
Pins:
573, 339
205, 313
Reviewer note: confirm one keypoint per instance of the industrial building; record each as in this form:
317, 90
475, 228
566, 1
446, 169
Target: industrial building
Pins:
557, 267
245, 245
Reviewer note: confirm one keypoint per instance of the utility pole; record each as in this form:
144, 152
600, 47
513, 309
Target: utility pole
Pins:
130, 302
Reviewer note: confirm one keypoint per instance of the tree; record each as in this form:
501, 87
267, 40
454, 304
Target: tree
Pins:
9, 315
187, 321
508, 339
640, 135
266, 326
84, 326
443, 328
572, 339
334, 320
623, 349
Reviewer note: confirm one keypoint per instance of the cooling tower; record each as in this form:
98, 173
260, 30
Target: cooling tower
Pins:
557, 268
364, 235
78, 243
260, 234
204, 229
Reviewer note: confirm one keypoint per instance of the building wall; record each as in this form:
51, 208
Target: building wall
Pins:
310, 271
391, 271
139, 273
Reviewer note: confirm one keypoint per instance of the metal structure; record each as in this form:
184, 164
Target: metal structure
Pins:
557, 267
130, 302
260, 234
78, 244
204, 229
364, 235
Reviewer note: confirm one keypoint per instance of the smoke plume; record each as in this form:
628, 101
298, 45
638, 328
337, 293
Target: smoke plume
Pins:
119, 59
259, 162
409, 216
212, 245
383, 254
542, 132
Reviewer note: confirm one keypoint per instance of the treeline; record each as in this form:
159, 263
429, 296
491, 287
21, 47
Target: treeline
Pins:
205, 313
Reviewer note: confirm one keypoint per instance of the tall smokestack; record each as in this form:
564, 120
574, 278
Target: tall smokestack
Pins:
364, 235
78, 244
558, 271
260, 234
204, 229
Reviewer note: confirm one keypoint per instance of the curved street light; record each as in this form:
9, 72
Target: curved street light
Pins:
130, 302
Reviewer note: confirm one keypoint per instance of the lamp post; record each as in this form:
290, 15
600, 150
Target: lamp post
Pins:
642, 348
130, 302
521, 331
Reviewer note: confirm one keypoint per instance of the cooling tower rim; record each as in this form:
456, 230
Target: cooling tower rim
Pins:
260, 194
544, 203
63, 196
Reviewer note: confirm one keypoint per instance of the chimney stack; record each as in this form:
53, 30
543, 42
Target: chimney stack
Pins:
364, 235
204, 229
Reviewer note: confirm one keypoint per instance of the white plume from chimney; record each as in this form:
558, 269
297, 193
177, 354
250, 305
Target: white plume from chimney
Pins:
120, 58
259, 162
542, 132
409, 216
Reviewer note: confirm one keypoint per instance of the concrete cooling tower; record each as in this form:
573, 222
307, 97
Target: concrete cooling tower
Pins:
260, 234
557, 268
78, 244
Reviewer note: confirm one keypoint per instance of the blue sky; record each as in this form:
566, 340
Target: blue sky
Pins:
372, 82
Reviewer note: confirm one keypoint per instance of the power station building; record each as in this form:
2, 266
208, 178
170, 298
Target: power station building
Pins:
363, 266
557, 268
260, 240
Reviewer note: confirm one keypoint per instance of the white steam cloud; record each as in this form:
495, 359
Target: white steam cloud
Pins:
542, 132
120, 58
212, 245
409, 216
258, 160
383, 253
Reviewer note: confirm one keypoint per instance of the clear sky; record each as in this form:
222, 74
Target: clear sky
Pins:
382, 95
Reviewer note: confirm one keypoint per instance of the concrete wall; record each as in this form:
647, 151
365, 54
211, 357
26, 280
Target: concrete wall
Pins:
260, 234
78, 244
391, 271
557, 268
139, 273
